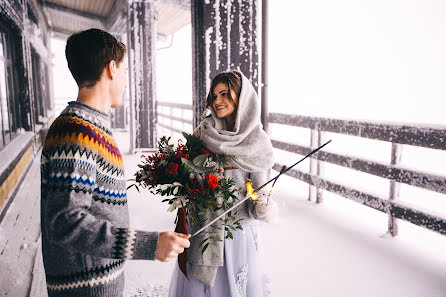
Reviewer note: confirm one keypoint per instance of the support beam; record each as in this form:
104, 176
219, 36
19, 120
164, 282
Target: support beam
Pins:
117, 18
264, 77
63, 33
141, 53
224, 38
72, 11
181, 4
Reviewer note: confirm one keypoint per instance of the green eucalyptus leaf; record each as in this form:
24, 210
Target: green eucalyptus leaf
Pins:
205, 247
200, 159
172, 207
214, 249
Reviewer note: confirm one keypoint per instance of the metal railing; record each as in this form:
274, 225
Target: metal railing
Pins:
397, 135
167, 113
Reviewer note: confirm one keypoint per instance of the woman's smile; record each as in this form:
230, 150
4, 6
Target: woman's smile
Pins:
224, 104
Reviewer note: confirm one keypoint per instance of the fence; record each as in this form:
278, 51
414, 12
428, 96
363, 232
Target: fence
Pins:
174, 117
397, 135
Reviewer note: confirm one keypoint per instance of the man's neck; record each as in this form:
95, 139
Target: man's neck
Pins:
96, 97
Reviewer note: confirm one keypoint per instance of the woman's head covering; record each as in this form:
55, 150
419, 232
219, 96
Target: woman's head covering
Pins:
248, 145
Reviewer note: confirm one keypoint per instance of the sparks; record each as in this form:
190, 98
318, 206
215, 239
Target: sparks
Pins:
250, 191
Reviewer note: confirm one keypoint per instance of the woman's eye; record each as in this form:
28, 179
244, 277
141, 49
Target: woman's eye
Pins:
223, 94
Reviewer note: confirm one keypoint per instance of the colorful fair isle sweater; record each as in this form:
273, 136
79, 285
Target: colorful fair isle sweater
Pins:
84, 212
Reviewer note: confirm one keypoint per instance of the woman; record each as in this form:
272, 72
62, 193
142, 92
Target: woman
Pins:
232, 127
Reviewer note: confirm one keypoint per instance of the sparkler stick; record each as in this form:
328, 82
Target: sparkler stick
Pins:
258, 189
275, 180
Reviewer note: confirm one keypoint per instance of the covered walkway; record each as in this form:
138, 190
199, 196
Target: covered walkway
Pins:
313, 250
365, 217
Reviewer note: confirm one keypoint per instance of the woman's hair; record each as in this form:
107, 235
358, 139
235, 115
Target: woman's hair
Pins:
232, 79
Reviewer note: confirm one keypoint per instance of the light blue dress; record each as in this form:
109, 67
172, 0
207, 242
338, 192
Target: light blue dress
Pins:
242, 275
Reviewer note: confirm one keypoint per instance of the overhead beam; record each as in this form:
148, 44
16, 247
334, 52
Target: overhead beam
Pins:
61, 31
72, 11
181, 4
118, 11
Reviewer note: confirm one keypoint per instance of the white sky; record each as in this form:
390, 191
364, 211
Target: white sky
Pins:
174, 69
381, 60
378, 60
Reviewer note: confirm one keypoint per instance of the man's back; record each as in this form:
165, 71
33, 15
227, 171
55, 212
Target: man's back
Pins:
85, 235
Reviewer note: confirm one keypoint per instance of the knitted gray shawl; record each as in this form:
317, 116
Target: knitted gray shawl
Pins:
249, 149
248, 144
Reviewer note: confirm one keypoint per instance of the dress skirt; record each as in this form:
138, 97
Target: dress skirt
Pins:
242, 275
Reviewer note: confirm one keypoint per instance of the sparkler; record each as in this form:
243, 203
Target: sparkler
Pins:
250, 194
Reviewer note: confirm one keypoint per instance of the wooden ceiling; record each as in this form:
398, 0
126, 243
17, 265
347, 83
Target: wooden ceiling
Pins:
68, 16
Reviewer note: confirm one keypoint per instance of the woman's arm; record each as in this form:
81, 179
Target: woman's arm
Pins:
265, 208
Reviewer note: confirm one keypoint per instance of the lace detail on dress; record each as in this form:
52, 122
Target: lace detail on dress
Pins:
242, 281
148, 291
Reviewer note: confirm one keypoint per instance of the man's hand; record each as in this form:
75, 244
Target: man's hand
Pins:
170, 244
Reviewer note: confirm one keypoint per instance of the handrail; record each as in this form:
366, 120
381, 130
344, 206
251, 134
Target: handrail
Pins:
175, 118
171, 117
410, 177
393, 208
175, 105
422, 136
429, 137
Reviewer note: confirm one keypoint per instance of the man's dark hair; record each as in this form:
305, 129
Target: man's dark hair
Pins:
88, 52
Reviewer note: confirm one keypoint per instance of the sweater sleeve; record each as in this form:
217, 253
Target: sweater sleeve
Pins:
66, 217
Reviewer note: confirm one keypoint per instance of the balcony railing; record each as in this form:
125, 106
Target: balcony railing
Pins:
396, 135
174, 117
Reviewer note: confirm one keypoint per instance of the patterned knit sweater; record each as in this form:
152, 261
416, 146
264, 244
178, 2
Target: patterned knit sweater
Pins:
84, 212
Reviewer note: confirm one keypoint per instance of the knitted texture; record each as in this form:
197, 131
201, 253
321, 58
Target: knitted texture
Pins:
84, 213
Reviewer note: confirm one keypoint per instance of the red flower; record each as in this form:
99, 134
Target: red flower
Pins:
172, 168
212, 181
205, 151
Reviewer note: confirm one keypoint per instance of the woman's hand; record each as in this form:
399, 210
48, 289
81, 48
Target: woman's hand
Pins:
266, 210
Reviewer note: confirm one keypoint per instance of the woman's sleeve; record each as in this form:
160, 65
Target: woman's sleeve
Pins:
264, 208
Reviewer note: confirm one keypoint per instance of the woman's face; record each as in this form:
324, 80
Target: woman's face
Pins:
222, 104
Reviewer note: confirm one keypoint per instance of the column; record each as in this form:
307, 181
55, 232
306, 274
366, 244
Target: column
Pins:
224, 37
141, 53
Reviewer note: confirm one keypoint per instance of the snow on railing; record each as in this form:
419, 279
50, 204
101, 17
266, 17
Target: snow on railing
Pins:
171, 117
397, 135
174, 117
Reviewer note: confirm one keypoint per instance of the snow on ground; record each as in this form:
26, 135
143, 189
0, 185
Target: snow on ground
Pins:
337, 248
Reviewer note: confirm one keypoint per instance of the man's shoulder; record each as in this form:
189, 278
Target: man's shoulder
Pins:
72, 130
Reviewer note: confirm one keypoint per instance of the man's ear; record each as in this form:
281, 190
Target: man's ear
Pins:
111, 69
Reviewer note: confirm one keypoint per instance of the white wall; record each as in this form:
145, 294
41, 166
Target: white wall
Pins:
380, 60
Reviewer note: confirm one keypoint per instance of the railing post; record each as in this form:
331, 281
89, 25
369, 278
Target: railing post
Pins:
182, 116
394, 188
171, 121
315, 193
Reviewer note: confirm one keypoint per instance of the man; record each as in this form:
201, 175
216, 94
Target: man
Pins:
84, 213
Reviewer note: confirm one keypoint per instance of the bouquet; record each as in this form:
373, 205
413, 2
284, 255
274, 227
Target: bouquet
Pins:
191, 178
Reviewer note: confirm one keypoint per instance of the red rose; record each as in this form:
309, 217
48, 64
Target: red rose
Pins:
205, 151
212, 181
172, 168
